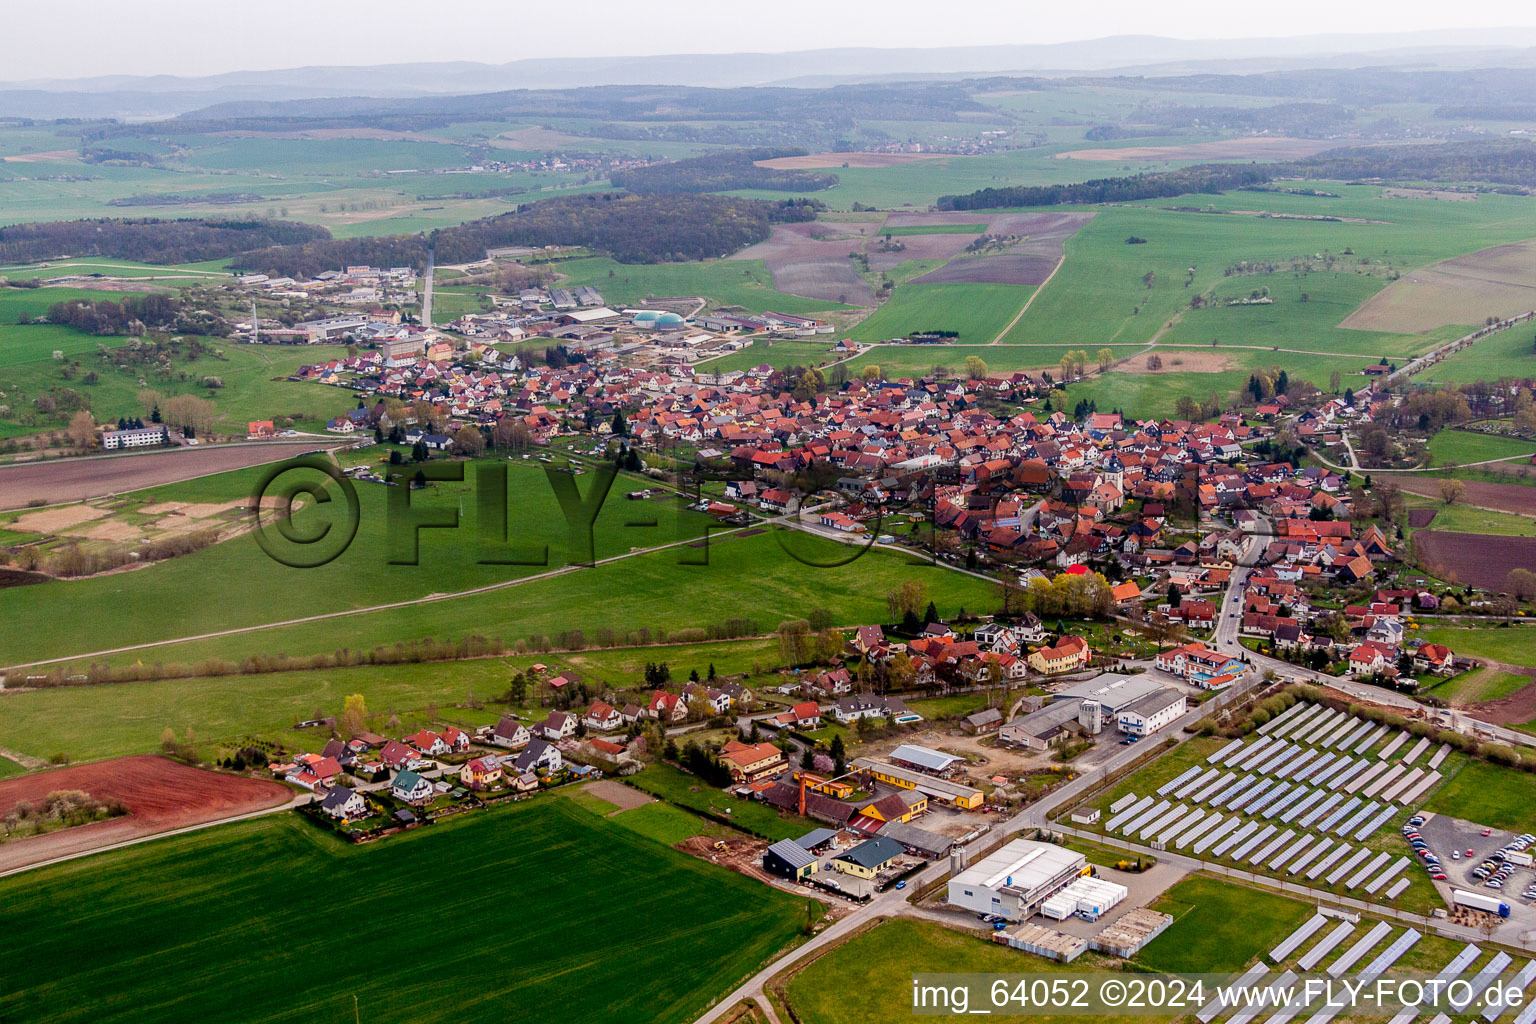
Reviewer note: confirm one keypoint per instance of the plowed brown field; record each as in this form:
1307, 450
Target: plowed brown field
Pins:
160, 795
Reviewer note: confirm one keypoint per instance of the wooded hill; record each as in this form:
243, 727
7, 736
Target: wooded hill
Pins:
149, 240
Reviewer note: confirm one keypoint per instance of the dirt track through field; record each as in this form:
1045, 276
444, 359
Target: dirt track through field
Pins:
64, 480
160, 795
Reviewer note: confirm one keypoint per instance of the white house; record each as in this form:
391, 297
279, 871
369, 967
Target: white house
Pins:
540, 756
559, 725
342, 802
411, 788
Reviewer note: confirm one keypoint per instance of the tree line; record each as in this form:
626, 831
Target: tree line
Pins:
149, 239
136, 314
1202, 178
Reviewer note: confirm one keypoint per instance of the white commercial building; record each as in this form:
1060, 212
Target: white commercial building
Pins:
1016, 880
136, 437
1145, 716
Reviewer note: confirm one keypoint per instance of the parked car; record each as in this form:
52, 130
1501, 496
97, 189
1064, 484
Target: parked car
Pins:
901, 884
1438, 876
1487, 831
1455, 855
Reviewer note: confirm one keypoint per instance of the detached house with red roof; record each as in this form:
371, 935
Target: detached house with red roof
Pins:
603, 717
1436, 658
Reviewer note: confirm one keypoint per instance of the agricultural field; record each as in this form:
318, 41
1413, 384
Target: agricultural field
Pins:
1493, 282
1101, 294
212, 712
253, 377
1472, 558
1452, 447
205, 592
1464, 518
1511, 498
259, 878
1513, 645
978, 312
734, 282
1200, 373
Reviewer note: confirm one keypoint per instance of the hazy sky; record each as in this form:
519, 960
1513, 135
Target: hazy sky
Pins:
199, 37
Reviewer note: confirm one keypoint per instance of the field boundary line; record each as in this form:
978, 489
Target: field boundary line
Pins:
1030, 301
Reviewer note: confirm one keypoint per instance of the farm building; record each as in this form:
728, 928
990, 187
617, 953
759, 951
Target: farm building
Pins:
788, 859
942, 790
925, 758
1016, 880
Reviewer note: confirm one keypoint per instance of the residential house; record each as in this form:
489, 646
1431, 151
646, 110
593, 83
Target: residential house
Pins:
1068, 654
411, 788
481, 772
399, 756
540, 756
344, 803
510, 733
752, 762
603, 717
1436, 658
558, 726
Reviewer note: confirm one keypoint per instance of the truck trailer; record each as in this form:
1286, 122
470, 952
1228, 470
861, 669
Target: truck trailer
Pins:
1477, 901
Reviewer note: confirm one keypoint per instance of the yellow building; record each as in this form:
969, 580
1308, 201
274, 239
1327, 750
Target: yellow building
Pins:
869, 858
1070, 652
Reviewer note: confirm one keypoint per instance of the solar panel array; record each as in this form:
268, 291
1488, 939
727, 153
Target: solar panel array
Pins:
1481, 980
1496, 1009
1393, 953
1348, 958
1294, 940
1440, 755
1325, 945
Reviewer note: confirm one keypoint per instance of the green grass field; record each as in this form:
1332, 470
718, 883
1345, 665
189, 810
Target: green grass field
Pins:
934, 229
749, 576
1509, 353
1480, 684
1099, 295
254, 376
211, 586
1152, 395
1219, 927
1489, 795
1461, 518
868, 979
977, 311
777, 354
744, 283
259, 901
1458, 447
1513, 646
673, 786
89, 722
670, 825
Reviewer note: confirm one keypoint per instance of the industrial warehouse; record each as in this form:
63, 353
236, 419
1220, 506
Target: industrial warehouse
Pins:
1017, 880
1136, 705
